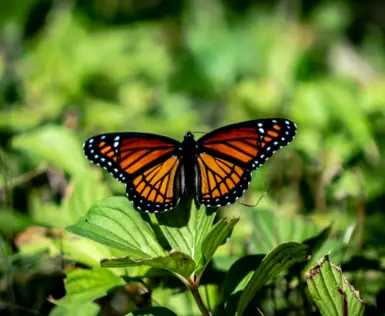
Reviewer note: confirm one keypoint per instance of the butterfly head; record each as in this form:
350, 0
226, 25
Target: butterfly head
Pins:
188, 136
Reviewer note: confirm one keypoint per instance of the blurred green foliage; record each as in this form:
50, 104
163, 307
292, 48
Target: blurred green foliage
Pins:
73, 68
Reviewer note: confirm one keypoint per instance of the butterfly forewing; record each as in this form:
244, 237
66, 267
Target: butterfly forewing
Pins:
148, 164
249, 144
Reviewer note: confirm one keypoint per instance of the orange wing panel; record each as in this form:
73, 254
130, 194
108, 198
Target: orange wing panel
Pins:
155, 188
220, 180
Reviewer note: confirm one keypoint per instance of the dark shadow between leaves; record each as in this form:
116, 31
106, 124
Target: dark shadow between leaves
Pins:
231, 306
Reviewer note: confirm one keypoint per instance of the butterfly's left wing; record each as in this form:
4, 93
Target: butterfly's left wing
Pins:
227, 156
148, 164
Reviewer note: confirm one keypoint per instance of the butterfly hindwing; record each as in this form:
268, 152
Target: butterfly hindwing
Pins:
143, 162
157, 189
220, 182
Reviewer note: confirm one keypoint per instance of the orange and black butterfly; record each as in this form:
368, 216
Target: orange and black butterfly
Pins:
216, 169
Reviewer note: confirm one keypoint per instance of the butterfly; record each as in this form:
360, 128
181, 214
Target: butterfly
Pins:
216, 169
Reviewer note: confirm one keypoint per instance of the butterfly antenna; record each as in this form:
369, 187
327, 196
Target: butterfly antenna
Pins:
198, 132
259, 200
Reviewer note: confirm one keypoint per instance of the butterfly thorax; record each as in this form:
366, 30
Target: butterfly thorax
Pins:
188, 162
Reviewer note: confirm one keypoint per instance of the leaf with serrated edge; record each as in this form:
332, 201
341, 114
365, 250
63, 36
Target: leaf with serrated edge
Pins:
281, 258
217, 235
187, 236
114, 223
175, 262
331, 292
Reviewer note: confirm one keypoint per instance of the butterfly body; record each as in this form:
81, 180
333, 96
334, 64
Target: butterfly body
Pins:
216, 169
188, 163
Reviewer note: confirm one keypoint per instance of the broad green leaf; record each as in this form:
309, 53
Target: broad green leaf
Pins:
87, 309
153, 311
114, 223
281, 258
336, 246
83, 250
175, 262
47, 213
237, 276
186, 227
331, 292
37, 239
56, 145
273, 228
323, 243
86, 190
216, 237
84, 286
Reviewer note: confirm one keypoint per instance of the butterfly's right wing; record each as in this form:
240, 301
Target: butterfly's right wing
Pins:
227, 156
148, 164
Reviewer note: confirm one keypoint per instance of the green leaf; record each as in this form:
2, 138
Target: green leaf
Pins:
153, 311
331, 292
237, 276
216, 237
87, 309
275, 262
83, 250
114, 223
175, 262
336, 246
182, 303
57, 145
86, 190
272, 229
83, 286
186, 227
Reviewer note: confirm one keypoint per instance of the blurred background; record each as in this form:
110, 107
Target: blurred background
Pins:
70, 69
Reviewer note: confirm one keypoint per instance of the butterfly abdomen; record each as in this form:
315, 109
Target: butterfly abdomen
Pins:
188, 160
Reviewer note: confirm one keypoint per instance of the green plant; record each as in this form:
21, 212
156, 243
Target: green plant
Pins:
114, 223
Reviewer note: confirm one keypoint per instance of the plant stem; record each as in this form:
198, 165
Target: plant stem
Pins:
199, 301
